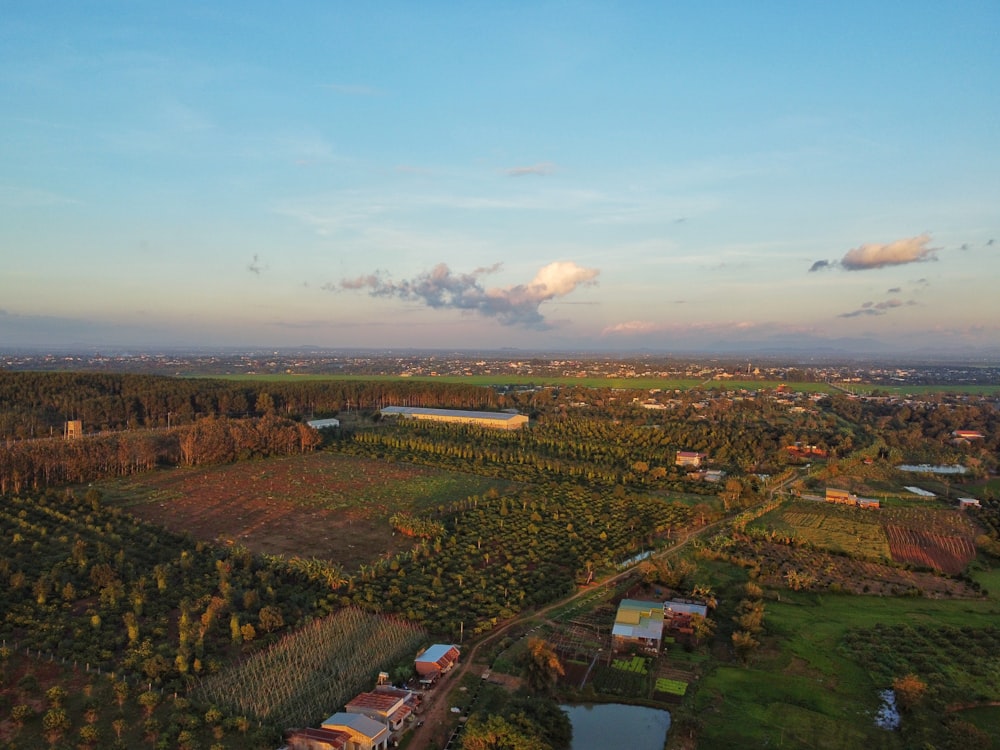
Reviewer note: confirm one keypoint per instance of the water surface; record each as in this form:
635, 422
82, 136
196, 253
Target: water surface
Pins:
614, 725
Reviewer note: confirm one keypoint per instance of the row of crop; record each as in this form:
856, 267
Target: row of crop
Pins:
670, 687
962, 664
311, 672
636, 664
94, 586
502, 554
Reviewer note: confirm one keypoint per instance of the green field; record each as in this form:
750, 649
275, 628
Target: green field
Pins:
804, 690
640, 383
830, 527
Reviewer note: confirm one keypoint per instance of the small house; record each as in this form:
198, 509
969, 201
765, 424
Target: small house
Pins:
638, 624
436, 660
841, 497
389, 706
363, 733
689, 458
316, 739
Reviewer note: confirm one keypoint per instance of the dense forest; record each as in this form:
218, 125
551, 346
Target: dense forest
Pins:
38, 404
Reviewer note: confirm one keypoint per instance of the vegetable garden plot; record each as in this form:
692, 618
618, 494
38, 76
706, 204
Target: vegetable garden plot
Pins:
612, 681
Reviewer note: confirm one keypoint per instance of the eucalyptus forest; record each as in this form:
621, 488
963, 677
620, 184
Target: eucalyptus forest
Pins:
131, 617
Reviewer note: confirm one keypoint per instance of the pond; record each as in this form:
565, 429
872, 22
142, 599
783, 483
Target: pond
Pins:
604, 725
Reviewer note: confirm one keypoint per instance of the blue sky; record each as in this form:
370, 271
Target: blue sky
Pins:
539, 175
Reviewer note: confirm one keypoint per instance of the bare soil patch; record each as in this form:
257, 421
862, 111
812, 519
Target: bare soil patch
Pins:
323, 505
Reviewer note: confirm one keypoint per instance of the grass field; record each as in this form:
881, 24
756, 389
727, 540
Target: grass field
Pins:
802, 691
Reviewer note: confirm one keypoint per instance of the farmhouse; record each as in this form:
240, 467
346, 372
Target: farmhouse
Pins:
844, 497
968, 502
689, 458
386, 705
316, 739
678, 618
841, 497
436, 660
498, 420
363, 733
638, 624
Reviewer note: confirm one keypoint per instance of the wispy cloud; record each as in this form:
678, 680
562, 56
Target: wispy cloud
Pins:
541, 169
878, 255
646, 327
875, 308
515, 305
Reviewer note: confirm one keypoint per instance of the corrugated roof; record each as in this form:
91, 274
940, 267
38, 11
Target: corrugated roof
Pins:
438, 651
356, 722
374, 701
459, 413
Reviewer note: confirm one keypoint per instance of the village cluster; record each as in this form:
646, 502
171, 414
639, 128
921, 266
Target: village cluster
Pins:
376, 719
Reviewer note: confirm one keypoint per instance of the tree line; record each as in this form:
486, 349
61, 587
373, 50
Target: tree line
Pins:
38, 404
49, 462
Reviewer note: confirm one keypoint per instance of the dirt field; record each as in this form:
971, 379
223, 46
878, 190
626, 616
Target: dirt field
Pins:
322, 505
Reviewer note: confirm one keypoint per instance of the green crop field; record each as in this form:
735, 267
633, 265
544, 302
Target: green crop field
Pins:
671, 687
830, 527
636, 664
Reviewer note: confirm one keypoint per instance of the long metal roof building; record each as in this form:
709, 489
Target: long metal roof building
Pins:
497, 419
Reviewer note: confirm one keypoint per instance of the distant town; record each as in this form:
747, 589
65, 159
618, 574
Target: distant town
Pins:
505, 364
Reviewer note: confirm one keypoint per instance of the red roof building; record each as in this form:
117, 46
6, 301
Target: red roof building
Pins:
436, 660
388, 706
317, 739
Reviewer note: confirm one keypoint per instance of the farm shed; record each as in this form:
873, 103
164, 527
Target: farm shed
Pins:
498, 420
638, 623
319, 424
841, 497
363, 733
436, 660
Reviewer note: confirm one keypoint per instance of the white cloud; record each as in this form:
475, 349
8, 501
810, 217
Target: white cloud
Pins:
900, 252
513, 305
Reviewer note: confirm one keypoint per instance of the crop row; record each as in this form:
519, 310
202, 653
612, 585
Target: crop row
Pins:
636, 664
671, 687
309, 673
